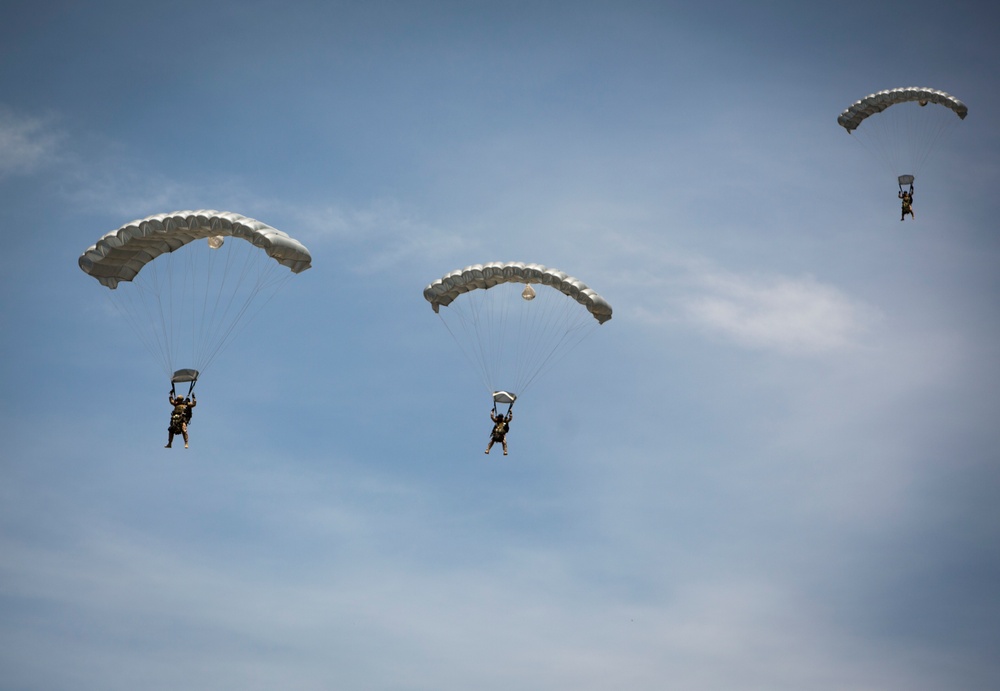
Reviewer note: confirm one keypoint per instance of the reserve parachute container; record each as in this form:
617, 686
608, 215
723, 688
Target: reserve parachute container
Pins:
514, 320
902, 127
187, 281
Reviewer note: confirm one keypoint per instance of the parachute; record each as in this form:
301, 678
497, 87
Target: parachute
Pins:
185, 298
513, 320
899, 129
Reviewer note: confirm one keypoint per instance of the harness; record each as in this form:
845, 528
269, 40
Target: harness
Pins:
179, 416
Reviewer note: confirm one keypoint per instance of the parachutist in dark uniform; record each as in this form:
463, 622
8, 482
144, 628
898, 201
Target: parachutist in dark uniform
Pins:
180, 416
501, 425
907, 197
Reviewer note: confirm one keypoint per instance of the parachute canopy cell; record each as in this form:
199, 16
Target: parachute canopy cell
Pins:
443, 291
853, 116
121, 254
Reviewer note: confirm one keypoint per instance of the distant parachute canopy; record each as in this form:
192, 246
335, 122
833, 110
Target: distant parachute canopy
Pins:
186, 300
853, 116
897, 128
513, 320
121, 254
443, 291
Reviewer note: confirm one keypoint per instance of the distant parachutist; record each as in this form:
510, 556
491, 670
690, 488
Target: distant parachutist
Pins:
180, 416
907, 201
501, 426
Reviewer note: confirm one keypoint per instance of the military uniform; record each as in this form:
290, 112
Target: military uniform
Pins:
500, 428
179, 418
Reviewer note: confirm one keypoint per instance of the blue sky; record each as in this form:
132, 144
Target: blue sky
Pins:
775, 468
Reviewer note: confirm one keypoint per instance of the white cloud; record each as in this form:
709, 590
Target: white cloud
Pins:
526, 620
792, 315
114, 188
26, 143
385, 231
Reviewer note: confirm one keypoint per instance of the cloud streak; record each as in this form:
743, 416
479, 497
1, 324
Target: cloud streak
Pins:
378, 235
27, 143
791, 315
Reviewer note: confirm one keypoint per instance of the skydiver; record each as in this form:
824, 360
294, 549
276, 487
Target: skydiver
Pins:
907, 197
180, 416
501, 425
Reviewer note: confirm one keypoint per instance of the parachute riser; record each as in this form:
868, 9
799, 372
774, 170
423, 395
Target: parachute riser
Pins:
190, 391
510, 406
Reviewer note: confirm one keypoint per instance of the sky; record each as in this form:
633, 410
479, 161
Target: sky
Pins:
775, 468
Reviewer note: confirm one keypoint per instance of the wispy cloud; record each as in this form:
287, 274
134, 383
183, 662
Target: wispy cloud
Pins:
384, 230
115, 189
797, 315
789, 314
100, 177
517, 610
372, 236
27, 143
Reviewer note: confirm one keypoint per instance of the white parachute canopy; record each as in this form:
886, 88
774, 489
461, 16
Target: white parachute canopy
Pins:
187, 281
514, 320
902, 127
